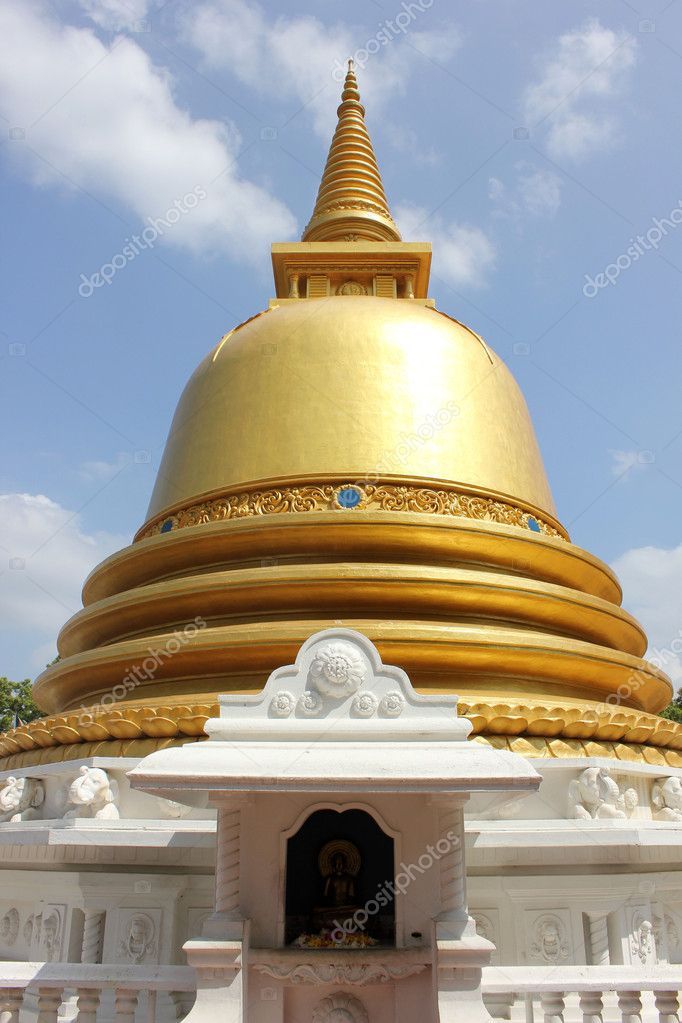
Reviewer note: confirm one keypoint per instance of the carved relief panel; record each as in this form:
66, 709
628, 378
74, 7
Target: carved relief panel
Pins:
548, 937
642, 940
49, 928
138, 936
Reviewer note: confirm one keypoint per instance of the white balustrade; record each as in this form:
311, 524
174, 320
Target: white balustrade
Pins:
541, 994
51, 983
645, 995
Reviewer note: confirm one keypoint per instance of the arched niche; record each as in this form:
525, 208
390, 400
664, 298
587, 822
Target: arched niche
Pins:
339, 866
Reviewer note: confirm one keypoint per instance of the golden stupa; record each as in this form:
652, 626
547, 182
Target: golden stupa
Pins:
352, 456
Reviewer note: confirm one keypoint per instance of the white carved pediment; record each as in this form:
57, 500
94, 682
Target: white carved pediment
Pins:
335, 720
338, 688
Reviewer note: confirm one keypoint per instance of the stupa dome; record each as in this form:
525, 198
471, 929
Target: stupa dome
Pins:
355, 387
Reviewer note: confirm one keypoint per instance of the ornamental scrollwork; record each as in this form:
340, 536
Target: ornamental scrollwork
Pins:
354, 204
282, 704
340, 973
310, 704
365, 705
392, 705
386, 497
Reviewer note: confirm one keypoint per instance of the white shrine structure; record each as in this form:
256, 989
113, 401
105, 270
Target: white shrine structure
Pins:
338, 750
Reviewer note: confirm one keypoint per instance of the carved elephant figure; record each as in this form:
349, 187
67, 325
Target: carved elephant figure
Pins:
666, 799
20, 799
93, 794
595, 795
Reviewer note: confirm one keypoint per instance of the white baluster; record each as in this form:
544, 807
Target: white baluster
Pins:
630, 1005
552, 1003
10, 1004
88, 1004
591, 1006
668, 1005
49, 1000
126, 1004
151, 1006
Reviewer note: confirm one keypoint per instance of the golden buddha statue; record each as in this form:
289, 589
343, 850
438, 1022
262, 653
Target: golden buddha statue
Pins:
339, 863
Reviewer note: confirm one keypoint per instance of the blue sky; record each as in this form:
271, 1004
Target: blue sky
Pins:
531, 143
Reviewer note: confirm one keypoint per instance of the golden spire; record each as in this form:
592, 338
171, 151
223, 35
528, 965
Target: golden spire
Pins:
351, 203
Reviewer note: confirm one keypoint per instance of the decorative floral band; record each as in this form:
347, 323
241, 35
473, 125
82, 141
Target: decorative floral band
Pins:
386, 497
532, 729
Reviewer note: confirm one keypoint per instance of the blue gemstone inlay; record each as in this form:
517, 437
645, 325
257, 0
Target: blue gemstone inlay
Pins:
534, 524
167, 526
349, 497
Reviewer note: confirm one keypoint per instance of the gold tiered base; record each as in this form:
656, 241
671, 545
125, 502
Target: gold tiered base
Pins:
524, 626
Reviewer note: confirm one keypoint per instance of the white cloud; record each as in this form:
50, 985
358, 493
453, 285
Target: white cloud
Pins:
540, 192
266, 54
437, 45
650, 577
46, 555
463, 254
102, 471
624, 463
575, 93
536, 192
406, 140
497, 190
117, 14
105, 118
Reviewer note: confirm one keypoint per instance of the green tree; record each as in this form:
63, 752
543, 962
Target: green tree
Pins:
673, 711
16, 704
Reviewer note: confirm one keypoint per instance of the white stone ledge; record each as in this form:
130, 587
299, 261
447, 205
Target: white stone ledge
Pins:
252, 766
129, 833
103, 977
289, 956
71, 767
549, 833
504, 980
569, 765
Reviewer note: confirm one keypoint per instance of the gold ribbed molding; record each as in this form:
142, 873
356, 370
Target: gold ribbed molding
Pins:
566, 748
159, 723
385, 497
600, 723
531, 729
489, 610
351, 202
